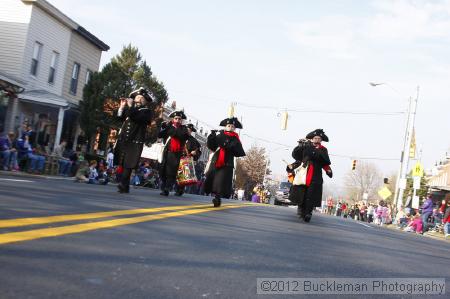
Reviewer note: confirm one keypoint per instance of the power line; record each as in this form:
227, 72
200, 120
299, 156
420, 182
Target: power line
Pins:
333, 155
298, 110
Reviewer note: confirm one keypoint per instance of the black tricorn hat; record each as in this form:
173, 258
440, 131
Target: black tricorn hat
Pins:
191, 127
317, 132
231, 120
143, 92
179, 113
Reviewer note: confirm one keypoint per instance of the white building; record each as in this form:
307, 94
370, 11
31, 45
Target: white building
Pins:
439, 176
46, 58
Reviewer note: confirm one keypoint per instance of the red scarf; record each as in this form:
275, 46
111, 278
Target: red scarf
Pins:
310, 172
221, 159
175, 144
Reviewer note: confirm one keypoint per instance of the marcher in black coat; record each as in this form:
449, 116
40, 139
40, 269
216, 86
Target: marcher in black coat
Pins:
193, 149
136, 115
219, 172
310, 152
174, 135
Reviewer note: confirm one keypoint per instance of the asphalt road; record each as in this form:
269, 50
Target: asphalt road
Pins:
181, 248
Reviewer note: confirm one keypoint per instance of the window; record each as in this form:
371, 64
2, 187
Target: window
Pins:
36, 57
53, 66
74, 81
88, 77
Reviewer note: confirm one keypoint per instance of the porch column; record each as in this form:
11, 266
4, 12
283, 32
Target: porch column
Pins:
13, 107
59, 126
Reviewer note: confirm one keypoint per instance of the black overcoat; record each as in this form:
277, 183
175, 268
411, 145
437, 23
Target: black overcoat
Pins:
318, 157
220, 180
131, 137
192, 144
171, 160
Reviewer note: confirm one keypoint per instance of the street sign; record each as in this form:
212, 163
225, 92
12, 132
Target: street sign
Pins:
417, 170
416, 182
415, 202
384, 192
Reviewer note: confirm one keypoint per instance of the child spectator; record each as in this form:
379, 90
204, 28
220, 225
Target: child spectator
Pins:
416, 225
93, 174
82, 175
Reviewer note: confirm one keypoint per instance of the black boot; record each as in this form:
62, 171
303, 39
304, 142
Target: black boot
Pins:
301, 212
123, 189
308, 217
165, 192
216, 201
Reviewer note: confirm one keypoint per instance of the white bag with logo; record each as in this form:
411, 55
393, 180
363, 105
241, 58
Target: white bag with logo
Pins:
300, 175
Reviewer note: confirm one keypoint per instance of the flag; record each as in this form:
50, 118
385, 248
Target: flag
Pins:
412, 148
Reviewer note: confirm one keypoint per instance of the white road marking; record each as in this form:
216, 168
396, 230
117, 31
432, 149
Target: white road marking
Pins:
364, 224
14, 180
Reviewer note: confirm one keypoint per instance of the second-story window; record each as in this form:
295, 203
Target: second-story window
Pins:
88, 77
74, 80
36, 57
53, 66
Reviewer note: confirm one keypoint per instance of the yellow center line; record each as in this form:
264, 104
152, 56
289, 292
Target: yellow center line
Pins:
79, 228
63, 218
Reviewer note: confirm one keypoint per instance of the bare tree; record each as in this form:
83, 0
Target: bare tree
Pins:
250, 169
364, 179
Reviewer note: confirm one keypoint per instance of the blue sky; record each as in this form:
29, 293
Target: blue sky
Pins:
313, 55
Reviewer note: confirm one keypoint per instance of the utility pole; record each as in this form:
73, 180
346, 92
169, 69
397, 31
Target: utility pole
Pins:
398, 200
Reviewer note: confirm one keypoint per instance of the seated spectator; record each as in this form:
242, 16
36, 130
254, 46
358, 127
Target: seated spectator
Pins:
401, 219
27, 147
8, 152
82, 175
103, 177
93, 174
415, 225
64, 163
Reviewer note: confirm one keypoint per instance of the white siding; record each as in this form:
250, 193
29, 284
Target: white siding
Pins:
54, 36
14, 20
88, 56
14, 11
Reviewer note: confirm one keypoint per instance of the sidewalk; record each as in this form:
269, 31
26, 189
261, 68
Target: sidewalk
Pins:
35, 176
433, 235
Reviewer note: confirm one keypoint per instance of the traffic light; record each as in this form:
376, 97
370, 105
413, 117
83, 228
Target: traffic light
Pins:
353, 164
284, 120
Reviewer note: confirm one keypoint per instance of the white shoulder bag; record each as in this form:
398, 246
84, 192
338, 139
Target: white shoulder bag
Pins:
300, 175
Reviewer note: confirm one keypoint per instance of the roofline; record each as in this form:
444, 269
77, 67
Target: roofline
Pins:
64, 19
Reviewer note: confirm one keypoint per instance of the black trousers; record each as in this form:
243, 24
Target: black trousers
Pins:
126, 174
306, 206
167, 183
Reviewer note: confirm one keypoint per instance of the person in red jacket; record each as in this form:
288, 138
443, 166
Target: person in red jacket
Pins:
446, 219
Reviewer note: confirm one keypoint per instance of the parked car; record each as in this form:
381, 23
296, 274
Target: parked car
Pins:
282, 194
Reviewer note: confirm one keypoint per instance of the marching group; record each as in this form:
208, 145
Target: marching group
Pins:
179, 144
180, 151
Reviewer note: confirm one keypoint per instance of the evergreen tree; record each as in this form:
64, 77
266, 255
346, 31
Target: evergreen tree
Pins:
123, 74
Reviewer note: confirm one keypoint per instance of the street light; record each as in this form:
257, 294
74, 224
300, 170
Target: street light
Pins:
404, 160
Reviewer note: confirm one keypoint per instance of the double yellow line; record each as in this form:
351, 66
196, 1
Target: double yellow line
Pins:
177, 211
